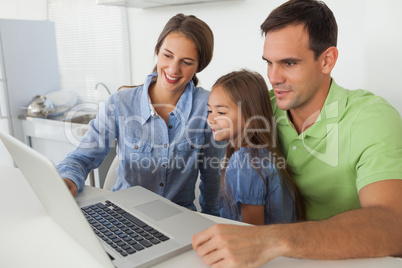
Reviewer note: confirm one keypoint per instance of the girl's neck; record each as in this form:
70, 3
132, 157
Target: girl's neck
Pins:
237, 144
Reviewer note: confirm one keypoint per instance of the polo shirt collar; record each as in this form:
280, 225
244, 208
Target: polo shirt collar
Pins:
329, 116
183, 106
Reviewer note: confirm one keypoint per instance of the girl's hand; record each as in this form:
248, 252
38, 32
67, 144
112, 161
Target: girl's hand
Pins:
253, 214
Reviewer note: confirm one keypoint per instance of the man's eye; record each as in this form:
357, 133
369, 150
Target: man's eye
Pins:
290, 64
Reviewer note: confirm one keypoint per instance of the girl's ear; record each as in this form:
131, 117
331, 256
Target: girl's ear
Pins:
328, 59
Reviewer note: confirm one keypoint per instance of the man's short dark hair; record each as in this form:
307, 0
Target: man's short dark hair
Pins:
318, 19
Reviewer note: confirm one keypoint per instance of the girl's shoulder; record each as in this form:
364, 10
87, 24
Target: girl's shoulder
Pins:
246, 152
248, 159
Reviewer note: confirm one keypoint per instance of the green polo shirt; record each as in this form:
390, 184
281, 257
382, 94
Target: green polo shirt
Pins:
355, 141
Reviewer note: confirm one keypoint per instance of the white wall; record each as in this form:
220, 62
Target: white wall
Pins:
23, 9
369, 41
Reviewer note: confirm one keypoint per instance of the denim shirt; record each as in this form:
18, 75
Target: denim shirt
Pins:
245, 186
165, 159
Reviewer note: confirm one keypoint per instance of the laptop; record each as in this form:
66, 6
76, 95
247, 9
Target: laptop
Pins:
133, 227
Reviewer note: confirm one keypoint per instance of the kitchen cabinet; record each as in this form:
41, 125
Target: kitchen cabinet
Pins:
56, 138
28, 67
151, 3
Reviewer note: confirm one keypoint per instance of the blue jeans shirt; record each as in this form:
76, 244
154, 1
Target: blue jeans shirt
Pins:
165, 159
246, 186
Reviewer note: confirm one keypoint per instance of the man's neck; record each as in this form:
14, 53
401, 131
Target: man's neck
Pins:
305, 116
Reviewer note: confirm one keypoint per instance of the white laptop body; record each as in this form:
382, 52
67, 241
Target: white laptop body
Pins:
176, 223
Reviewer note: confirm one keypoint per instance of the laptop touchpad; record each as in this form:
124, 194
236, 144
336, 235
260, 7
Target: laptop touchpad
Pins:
158, 210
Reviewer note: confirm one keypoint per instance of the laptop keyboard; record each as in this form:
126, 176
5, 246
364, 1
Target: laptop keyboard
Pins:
121, 230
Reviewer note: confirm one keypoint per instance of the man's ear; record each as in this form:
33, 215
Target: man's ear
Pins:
328, 59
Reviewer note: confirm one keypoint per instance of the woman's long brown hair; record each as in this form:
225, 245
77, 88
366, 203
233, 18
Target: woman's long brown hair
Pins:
249, 91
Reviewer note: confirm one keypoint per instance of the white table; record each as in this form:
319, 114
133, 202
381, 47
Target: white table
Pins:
30, 238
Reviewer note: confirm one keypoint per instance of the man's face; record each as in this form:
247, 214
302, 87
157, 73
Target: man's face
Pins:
296, 77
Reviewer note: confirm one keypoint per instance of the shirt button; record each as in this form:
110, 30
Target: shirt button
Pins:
170, 126
171, 113
136, 147
294, 148
165, 145
161, 184
192, 146
164, 166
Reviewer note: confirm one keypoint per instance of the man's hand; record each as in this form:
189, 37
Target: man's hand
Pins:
236, 246
71, 186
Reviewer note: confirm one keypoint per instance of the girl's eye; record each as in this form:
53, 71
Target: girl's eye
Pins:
221, 113
209, 112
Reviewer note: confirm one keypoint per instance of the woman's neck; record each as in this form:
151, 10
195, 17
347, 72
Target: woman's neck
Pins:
160, 96
164, 102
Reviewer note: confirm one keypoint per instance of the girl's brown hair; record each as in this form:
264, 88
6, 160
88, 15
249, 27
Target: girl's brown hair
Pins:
249, 91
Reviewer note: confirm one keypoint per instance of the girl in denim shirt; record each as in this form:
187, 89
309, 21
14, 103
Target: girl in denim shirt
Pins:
163, 141
256, 186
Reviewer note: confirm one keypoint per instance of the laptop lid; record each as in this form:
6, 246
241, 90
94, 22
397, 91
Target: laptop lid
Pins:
54, 195
175, 221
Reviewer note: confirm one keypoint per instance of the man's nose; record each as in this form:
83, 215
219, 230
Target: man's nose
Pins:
275, 75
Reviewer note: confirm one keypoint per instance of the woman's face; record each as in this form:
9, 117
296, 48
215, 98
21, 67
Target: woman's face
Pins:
177, 62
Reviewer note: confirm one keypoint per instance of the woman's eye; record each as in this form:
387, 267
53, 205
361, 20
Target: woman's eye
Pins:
187, 63
167, 56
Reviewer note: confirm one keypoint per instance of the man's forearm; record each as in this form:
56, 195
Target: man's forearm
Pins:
368, 232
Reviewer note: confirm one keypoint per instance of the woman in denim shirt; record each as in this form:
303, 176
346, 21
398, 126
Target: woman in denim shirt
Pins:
161, 130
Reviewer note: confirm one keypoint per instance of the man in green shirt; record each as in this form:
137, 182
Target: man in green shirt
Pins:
355, 141
344, 148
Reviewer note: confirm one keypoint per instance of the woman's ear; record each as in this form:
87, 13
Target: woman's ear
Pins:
328, 59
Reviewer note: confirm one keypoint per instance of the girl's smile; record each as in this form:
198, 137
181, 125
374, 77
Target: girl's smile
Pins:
224, 117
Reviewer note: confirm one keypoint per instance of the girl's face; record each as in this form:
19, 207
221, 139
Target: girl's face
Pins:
224, 117
177, 62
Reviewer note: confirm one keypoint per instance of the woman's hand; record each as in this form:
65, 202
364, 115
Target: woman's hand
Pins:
71, 186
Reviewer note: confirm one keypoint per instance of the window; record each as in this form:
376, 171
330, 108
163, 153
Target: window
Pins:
92, 46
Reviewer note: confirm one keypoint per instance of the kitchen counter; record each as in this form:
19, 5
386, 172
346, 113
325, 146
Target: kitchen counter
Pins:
55, 137
55, 128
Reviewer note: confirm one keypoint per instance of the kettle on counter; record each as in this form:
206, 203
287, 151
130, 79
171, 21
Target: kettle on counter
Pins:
40, 106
